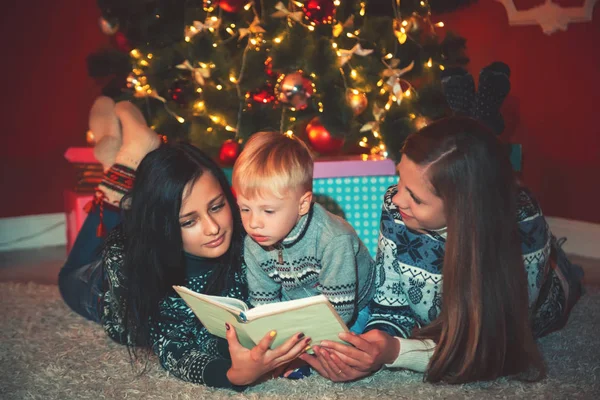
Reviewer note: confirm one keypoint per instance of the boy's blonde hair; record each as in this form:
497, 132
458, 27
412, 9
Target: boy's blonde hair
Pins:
275, 163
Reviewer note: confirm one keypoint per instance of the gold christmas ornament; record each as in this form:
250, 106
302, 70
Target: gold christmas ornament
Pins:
357, 101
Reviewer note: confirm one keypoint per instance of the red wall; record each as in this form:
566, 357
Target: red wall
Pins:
554, 103
551, 109
47, 95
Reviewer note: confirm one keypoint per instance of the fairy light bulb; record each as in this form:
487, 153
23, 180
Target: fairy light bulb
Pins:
429, 63
353, 74
135, 53
440, 24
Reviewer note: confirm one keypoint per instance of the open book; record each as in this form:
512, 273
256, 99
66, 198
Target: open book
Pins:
314, 316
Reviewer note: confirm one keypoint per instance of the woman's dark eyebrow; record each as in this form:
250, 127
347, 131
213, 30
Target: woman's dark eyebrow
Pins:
187, 215
216, 199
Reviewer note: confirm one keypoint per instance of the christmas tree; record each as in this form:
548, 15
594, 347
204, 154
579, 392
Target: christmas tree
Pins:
348, 77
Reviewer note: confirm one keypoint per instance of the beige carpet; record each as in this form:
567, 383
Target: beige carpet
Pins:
48, 352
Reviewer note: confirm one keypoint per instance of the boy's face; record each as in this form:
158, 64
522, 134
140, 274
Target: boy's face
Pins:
268, 219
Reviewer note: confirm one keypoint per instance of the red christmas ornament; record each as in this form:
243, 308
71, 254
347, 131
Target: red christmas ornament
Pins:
230, 150
320, 139
232, 6
319, 11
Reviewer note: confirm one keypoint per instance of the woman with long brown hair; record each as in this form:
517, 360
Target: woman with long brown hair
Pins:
465, 282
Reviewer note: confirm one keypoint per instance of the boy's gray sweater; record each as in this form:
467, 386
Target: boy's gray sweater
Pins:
321, 255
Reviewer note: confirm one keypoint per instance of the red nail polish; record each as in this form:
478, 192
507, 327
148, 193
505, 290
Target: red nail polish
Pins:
227, 326
300, 336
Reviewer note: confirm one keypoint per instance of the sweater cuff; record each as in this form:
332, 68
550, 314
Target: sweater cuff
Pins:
414, 354
215, 375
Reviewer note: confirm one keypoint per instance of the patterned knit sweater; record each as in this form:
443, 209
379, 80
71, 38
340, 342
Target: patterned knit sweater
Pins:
184, 347
321, 255
409, 269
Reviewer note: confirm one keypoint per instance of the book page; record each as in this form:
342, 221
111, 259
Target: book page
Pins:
318, 320
232, 304
213, 314
283, 306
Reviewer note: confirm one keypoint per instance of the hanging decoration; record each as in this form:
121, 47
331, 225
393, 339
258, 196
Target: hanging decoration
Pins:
357, 101
346, 55
229, 152
320, 139
294, 89
283, 12
550, 16
200, 74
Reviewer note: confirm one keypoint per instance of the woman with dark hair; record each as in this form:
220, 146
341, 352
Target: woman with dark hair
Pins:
178, 225
467, 273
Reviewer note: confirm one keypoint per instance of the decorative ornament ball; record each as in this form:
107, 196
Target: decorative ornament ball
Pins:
232, 6
294, 89
179, 92
319, 11
357, 101
90, 138
230, 150
107, 27
320, 139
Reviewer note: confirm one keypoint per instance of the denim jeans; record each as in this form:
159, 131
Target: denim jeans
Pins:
80, 280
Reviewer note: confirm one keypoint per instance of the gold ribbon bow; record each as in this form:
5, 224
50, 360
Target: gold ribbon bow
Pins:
253, 28
283, 12
200, 73
346, 55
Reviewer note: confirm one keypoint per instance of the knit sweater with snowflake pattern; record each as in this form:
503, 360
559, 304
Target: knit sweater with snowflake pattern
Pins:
409, 275
183, 345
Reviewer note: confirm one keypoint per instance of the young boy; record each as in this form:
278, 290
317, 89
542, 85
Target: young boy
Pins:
295, 248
